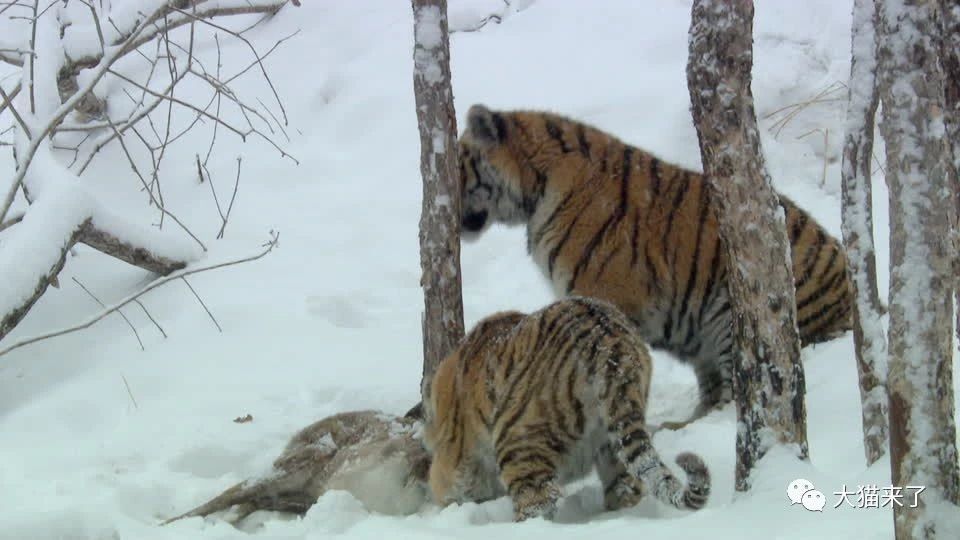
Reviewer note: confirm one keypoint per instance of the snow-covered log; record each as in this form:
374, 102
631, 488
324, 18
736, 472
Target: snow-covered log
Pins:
768, 377
34, 251
923, 448
440, 215
857, 213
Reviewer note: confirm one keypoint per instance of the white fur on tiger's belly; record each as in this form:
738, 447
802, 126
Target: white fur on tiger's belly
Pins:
383, 485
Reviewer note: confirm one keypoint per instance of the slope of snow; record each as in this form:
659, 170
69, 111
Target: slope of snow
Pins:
102, 440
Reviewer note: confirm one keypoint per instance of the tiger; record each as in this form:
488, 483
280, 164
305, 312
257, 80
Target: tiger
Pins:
609, 220
528, 402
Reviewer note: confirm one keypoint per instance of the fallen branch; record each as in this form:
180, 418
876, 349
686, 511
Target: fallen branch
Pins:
122, 314
13, 316
108, 244
16, 218
268, 247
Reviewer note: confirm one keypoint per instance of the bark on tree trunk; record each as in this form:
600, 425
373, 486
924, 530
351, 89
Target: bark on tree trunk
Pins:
950, 60
857, 213
920, 382
440, 216
768, 378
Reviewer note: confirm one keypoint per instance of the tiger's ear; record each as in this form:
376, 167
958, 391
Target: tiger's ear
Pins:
485, 126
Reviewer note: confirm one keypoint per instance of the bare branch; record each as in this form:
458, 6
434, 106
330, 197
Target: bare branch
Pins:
268, 247
205, 308
17, 218
102, 305
68, 106
149, 316
8, 103
236, 184
118, 130
131, 41
253, 50
191, 106
129, 392
96, 22
33, 47
153, 199
8, 99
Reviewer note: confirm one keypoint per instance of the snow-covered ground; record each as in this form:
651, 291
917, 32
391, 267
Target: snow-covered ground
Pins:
100, 440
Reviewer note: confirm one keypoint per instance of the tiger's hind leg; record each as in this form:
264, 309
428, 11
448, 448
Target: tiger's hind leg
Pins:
529, 468
620, 488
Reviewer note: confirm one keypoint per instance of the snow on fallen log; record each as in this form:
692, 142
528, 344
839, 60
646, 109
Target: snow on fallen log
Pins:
63, 213
35, 250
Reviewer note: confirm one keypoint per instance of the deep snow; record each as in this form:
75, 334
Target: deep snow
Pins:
330, 321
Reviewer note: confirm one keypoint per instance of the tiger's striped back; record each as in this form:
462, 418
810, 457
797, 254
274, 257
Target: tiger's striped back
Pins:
608, 220
528, 402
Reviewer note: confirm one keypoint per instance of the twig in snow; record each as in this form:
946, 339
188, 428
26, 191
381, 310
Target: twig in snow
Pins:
795, 109
268, 247
96, 22
149, 316
205, 308
143, 181
33, 47
236, 185
8, 103
129, 392
102, 305
213, 137
201, 169
186, 104
253, 50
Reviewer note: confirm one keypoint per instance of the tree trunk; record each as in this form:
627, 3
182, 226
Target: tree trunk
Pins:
440, 217
857, 213
920, 381
950, 60
768, 378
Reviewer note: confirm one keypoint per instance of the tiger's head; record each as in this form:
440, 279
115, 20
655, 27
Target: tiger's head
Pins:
492, 174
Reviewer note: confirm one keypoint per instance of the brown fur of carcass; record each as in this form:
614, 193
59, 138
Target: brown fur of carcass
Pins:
375, 456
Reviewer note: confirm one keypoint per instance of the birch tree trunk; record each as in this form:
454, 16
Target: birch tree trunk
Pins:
768, 376
440, 217
920, 383
857, 213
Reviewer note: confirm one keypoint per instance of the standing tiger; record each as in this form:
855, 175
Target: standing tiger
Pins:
527, 402
608, 220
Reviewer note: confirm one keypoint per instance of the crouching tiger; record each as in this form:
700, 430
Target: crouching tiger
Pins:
529, 402
608, 220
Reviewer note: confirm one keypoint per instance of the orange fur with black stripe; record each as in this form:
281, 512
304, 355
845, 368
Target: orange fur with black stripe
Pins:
608, 220
529, 402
